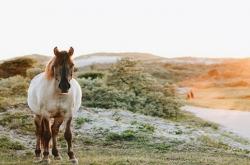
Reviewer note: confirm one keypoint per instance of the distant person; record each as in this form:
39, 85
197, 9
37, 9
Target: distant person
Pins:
190, 95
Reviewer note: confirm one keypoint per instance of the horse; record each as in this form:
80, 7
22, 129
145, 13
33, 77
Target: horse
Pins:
54, 95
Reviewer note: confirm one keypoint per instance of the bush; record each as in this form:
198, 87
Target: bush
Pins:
18, 120
128, 87
91, 75
13, 90
15, 67
13, 86
127, 135
6, 143
79, 121
32, 72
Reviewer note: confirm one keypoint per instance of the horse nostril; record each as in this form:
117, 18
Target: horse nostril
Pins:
64, 86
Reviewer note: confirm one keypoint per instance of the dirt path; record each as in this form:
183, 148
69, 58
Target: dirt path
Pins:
233, 120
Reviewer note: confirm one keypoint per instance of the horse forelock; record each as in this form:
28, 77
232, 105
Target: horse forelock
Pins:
59, 60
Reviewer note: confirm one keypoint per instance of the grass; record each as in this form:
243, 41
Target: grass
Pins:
126, 135
190, 119
146, 128
7, 144
101, 155
79, 121
208, 141
19, 121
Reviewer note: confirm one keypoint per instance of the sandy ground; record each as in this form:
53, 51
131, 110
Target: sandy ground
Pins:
100, 122
114, 120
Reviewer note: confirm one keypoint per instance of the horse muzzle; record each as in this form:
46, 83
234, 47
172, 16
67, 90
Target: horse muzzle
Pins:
64, 85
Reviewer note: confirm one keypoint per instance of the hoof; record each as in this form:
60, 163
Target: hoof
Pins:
58, 157
45, 161
74, 161
37, 159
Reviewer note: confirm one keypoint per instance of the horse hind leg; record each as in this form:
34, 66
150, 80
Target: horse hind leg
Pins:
55, 130
38, 125
68, 138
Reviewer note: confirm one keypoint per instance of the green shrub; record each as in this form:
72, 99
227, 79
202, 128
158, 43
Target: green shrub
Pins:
128, 87
210, 124
91, 75
146, 128
126, 135
79, 121
208, 141
6, 143
18, 121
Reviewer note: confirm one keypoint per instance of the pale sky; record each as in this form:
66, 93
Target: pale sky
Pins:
170, 28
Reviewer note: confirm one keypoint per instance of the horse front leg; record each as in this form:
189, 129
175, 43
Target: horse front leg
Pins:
68, 138
55, 130
38, 124
46, 139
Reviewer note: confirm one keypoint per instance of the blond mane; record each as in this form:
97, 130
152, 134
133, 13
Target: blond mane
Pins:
49, 71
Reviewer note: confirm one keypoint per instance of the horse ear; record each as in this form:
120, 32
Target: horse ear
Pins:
71, 51
56, 51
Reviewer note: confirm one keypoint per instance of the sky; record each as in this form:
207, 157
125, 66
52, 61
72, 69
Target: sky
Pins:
169, 28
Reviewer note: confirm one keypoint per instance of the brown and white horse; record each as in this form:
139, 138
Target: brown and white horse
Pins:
54, 94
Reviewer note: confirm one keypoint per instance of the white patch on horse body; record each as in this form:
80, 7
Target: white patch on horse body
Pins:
44, 97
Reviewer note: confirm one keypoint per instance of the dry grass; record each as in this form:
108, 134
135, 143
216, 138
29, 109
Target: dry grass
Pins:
96, 155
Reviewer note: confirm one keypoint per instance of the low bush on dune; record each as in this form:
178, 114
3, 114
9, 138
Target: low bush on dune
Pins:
15, 67
91, 75
13, 90
32, 72
128, 86
13, 86
15, 76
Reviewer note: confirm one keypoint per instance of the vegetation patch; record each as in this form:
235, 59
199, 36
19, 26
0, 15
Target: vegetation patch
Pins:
13, 90
91, 75
146, 128
79, 121
127, 135
15, 67
208, 141
129, 87
7, 144
32, 72
194, 121
19, 121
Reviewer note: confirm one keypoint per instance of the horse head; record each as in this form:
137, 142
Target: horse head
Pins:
63, 68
